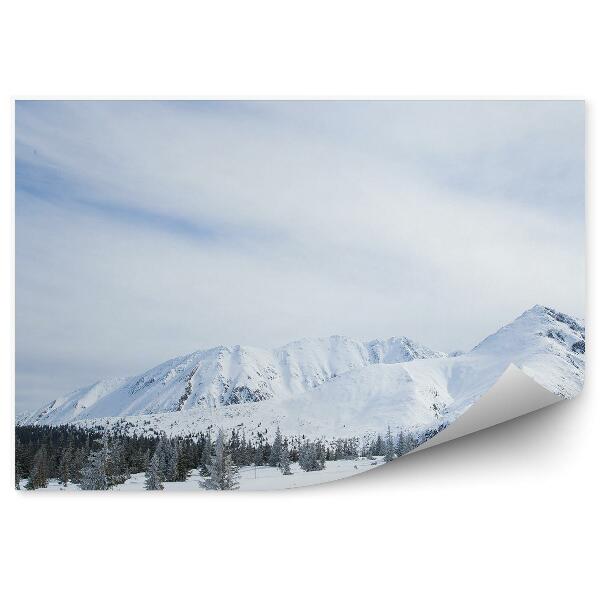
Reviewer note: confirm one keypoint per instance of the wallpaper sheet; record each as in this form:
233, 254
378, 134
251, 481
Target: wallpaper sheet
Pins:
262, 295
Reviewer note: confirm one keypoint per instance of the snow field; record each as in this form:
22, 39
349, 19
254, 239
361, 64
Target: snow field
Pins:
251, 478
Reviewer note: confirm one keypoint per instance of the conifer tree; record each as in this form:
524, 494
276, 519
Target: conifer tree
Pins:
79, 458
339, 450
20, 459
205, 459
93, 473
145, 461
401, 444
116, 467
161, 458
245, 452
310, 457
259, 459
223, 472
38, 475
153, 476
105, 466
171, 453
64, 466
367, 450
184, 462
275, 456
389, 446
321, 454
284, 463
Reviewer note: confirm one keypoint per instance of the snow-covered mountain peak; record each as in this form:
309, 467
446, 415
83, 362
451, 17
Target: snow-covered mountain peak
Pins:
538, 326
399, 349
548, 345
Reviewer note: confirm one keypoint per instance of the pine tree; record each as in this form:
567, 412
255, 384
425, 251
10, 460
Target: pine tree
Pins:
171, 460
321, 454
223, 472
145, 460
79, 458
38, 476
93, 473
116, 467
20, 461
401, 444
163, 460
311, 457
284, 463
153, 476
275, 456
64, 466
245, 452
184, 462
389, 446
339, 450
259, 459
205, 458
367, 450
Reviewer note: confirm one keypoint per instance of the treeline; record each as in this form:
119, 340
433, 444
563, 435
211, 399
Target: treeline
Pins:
95, 459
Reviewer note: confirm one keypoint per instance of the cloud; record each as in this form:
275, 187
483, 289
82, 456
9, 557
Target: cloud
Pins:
146, 230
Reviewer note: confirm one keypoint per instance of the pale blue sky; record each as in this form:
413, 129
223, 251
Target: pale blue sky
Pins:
146, 230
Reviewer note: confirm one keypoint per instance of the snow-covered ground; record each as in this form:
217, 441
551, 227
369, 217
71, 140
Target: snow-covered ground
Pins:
251, 478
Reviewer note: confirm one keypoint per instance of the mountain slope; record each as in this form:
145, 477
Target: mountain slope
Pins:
547, 345
225, 376
330, 387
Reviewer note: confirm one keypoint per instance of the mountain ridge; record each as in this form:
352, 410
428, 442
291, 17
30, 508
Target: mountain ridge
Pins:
225, 375
334, 385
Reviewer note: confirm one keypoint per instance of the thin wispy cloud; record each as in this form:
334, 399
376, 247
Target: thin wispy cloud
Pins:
150, 229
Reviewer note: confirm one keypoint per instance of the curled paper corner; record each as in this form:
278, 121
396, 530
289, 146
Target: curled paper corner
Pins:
513, 395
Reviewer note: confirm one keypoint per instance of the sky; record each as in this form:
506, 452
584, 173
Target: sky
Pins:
149, 229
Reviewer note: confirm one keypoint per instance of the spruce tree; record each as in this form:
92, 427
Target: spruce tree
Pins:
171, 459
145, 460
93, 473
153, 476
339, 453
64, 466
389, 446
401, 444
284, 463
117, 469
38, 475
79, 458
184, 462
275, 456
245, 452
99, 471
311, 457
205, 458
223, 472
20, 460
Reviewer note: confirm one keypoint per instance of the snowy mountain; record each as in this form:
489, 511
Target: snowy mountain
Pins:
328, 387
546, 345
225, 376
